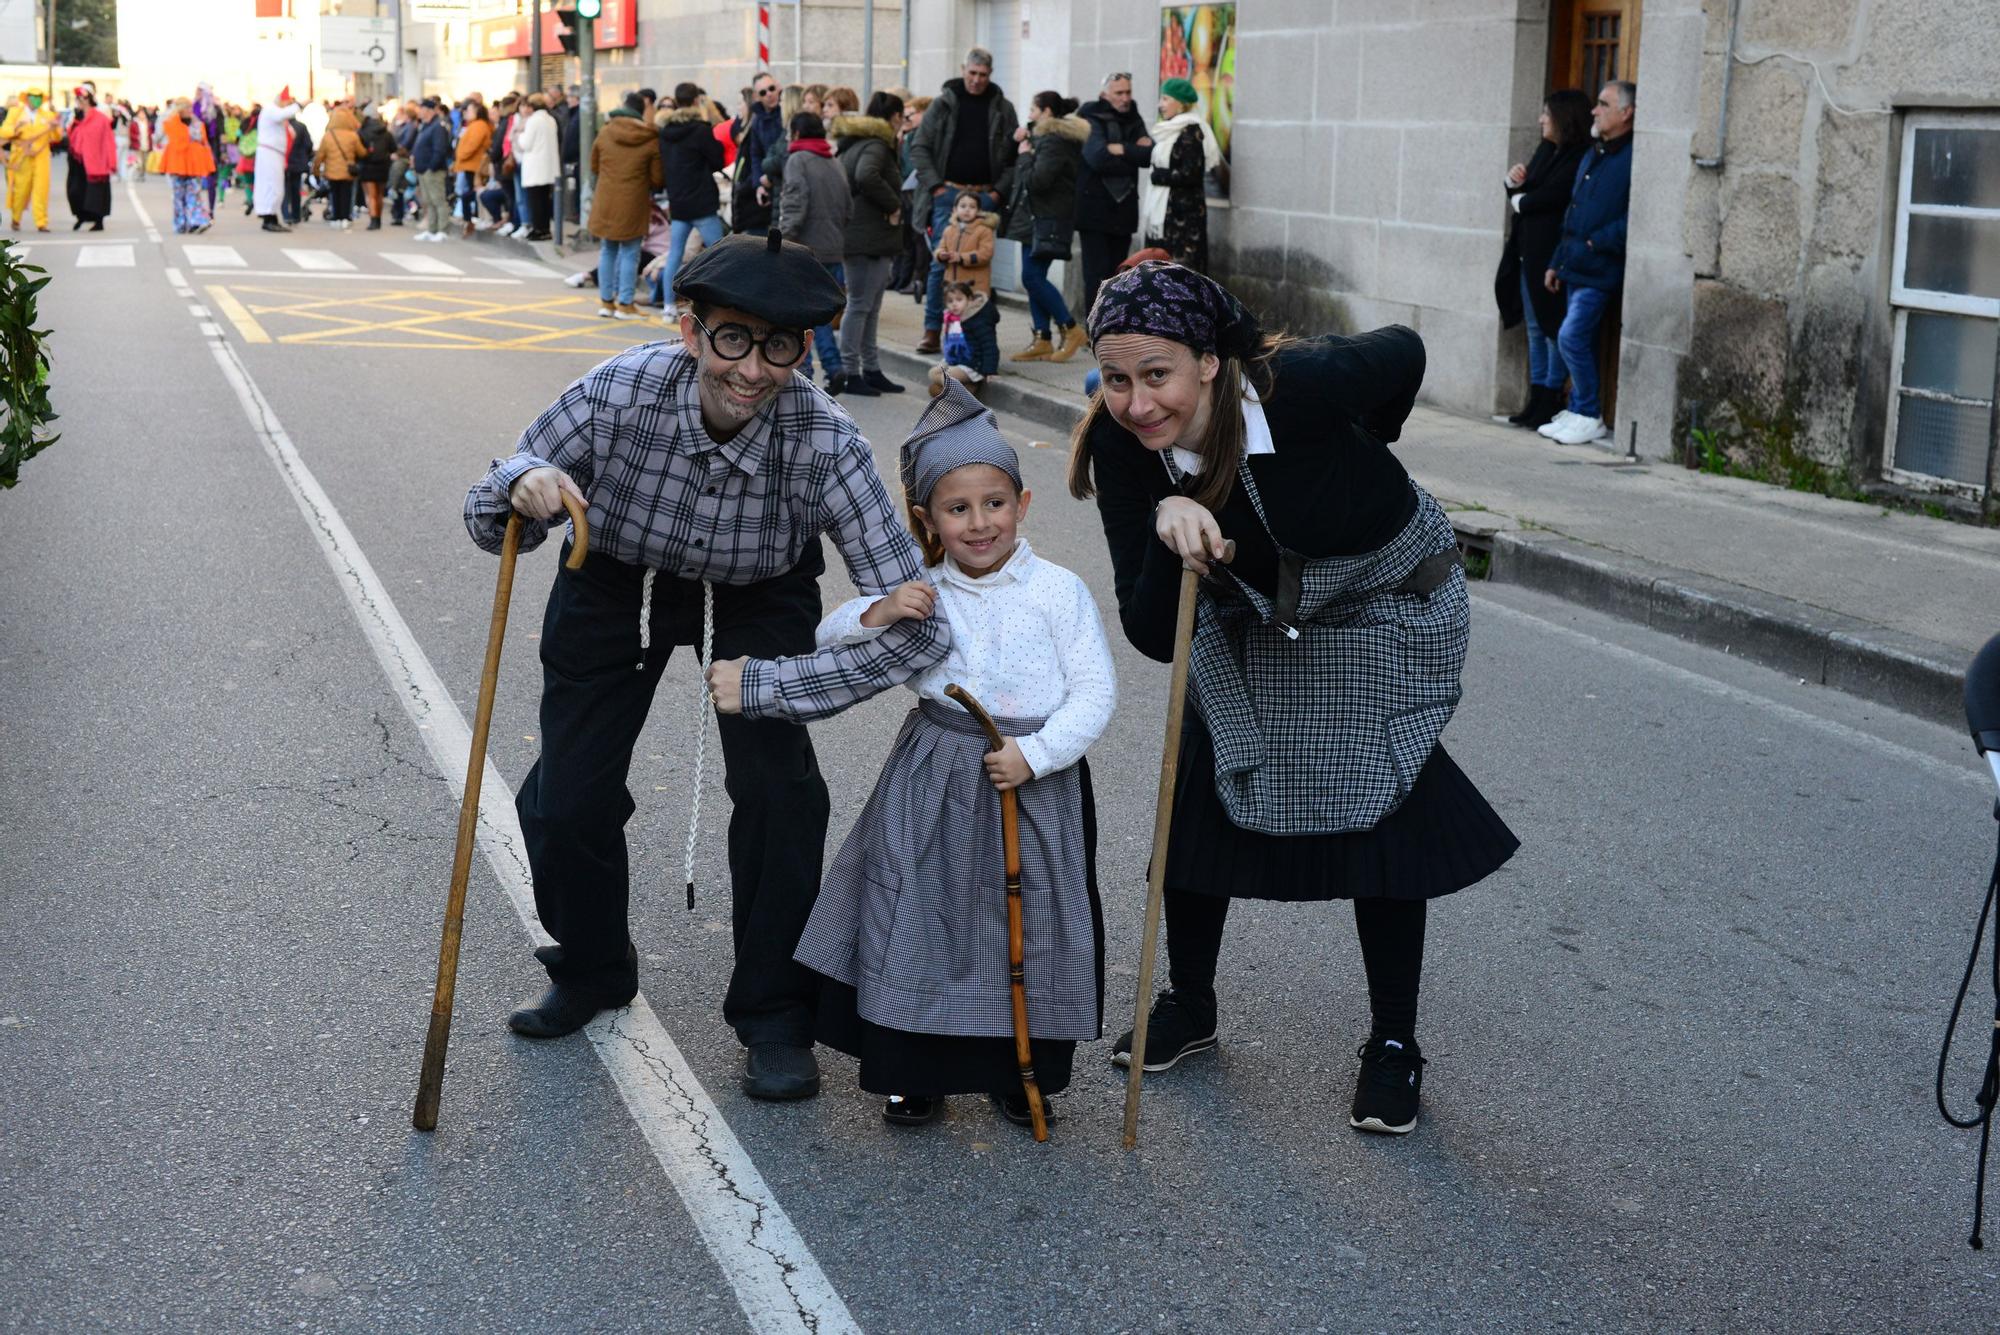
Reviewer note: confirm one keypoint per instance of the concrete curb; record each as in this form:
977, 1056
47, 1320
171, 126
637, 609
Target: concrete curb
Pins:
1015, 395
1914, 675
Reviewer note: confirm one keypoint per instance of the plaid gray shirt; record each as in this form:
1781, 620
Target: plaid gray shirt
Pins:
664, 494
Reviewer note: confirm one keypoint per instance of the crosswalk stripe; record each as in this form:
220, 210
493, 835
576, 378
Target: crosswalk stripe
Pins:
212, 257
519, 268
317, 261
429, 264
104, 257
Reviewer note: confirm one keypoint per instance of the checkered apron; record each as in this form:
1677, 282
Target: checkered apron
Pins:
1324, 703
913, 912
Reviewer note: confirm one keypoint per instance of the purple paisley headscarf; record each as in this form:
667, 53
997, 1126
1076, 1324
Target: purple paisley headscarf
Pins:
1174, 302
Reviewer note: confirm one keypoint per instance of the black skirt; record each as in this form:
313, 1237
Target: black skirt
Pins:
895, 1061
1444, 837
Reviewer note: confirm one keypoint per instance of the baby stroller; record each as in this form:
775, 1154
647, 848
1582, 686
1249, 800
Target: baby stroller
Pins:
1982, 715
317, 188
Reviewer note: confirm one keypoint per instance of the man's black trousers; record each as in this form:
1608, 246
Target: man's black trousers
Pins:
574, 803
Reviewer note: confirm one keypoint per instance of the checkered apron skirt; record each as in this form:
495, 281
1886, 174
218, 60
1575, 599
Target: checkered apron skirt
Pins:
1324, 703
913, 912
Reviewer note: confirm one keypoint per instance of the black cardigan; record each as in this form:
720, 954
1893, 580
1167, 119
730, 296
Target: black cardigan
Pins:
1332, 488
1533, 233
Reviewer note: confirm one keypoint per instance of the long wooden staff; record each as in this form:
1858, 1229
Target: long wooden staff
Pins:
1010, 836
431, 1083
1163, 814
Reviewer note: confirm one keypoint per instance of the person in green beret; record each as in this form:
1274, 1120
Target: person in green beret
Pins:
1173, 213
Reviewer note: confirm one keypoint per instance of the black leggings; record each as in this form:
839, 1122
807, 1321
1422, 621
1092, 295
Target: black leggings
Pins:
1392, 951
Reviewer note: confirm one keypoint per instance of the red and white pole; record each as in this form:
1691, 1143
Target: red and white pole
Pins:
763, 37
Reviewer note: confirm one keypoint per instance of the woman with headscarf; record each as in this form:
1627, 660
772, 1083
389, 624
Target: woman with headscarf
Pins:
1173, 205
274, 145
1325, 658
93, 157
188, 163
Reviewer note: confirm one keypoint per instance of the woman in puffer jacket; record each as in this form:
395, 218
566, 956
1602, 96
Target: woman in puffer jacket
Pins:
865, 149
1052, 144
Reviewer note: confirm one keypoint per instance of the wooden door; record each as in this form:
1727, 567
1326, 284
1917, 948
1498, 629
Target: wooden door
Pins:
1592, 42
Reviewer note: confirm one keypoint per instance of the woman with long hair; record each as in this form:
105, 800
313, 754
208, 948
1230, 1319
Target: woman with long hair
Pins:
1325, 657
1052, 146
1537, 193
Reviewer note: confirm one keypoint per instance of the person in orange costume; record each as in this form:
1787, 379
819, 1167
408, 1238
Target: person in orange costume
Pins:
31, 131
188, 162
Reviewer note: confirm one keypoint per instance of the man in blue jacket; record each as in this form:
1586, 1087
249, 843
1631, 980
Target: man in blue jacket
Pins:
430, 159
1590, 259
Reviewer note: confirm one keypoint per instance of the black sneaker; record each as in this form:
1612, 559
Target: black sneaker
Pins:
1014, 1107
1178, 1027
1386, 1089
911, 1109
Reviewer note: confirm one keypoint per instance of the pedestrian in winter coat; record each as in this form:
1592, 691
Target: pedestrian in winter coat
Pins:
813, 210
93, 159
965, 247
335, 159
1173, 197
625, 159
373, 171
430, 159
298, 161
1107, 186
1589, 263
468, 162
540, 155
1538, 193
866, 148
966, 142
690, 156
761, 134
1051, 152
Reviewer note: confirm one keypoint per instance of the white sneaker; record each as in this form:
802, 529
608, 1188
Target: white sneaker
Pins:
522, 230
1582, 431
577, 279
1556, 424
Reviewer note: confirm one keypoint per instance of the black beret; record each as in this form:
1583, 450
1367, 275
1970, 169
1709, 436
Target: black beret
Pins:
765, 276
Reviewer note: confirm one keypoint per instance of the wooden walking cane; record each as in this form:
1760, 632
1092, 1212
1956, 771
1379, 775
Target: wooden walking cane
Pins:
1163, 813
1010, 837
431, 1083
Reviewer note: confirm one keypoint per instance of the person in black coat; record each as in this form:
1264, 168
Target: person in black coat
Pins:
1326, 653
1538, 193
372, 171
691, 155
1107, 185
297, 163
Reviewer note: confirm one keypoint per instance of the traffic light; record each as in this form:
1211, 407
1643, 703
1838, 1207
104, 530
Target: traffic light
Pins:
566, 28
589, 9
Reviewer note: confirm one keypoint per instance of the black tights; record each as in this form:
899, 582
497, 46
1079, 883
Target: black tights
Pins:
1392, 951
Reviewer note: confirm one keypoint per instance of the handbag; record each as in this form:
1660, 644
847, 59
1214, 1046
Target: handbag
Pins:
155, 159
1052, 239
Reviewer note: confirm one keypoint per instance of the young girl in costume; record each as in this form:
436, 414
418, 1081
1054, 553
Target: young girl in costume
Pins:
910, 926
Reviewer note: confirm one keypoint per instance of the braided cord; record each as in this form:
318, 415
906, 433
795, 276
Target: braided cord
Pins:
701, 712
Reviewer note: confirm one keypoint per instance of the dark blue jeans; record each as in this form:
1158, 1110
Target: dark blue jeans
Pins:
1045, 303
941, 207
823, 335
1578, 344
1545, 361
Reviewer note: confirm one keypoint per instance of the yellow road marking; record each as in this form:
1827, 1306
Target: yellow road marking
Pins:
482, 322
245, 323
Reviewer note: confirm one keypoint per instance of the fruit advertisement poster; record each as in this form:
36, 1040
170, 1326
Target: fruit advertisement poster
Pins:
1198, 43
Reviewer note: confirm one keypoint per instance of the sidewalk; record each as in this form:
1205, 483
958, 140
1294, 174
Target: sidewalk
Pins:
1882, 604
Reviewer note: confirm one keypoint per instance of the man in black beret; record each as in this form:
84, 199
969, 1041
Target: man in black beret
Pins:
710, 471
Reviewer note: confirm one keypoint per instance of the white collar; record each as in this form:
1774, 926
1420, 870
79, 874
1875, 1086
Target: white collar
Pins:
1256, 434
1013, 571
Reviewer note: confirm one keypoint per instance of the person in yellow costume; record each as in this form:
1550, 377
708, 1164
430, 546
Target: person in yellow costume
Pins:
30, 133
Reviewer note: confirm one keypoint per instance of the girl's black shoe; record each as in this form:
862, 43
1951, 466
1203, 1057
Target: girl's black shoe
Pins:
1178, 1026
911, 1110
1014, 1107
1387, 1086
876, 380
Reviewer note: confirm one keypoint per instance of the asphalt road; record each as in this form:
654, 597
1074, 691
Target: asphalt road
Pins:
1681, 1047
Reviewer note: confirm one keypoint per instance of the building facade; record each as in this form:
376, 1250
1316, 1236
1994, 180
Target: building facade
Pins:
1814, 255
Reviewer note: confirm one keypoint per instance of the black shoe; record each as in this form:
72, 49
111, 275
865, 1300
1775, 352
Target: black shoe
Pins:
97, 226
1386, 1089
836, 383
396, 221
1014, 1107
273, 225
1178, 1027
911, 1110
374, 225
780, 1071
76, 225
882, 382
562, 1010
1548, 401
859, 388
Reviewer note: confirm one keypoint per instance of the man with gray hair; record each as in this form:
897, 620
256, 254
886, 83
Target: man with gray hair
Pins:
1589, 262
966, 144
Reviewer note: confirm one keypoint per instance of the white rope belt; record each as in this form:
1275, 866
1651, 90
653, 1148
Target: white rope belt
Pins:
701, 704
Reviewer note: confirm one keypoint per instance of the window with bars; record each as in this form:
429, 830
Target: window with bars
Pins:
1601, 36
1946, 295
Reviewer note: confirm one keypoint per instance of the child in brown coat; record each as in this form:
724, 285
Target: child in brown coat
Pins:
965, 247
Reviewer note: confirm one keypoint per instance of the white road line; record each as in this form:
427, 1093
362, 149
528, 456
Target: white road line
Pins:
778, 1283
105, 257
519, 268
177, 279
425, 264
200, 312
398, 279
139, 212
1931, 765
210, 329
212, 257
81, 241
317, 261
